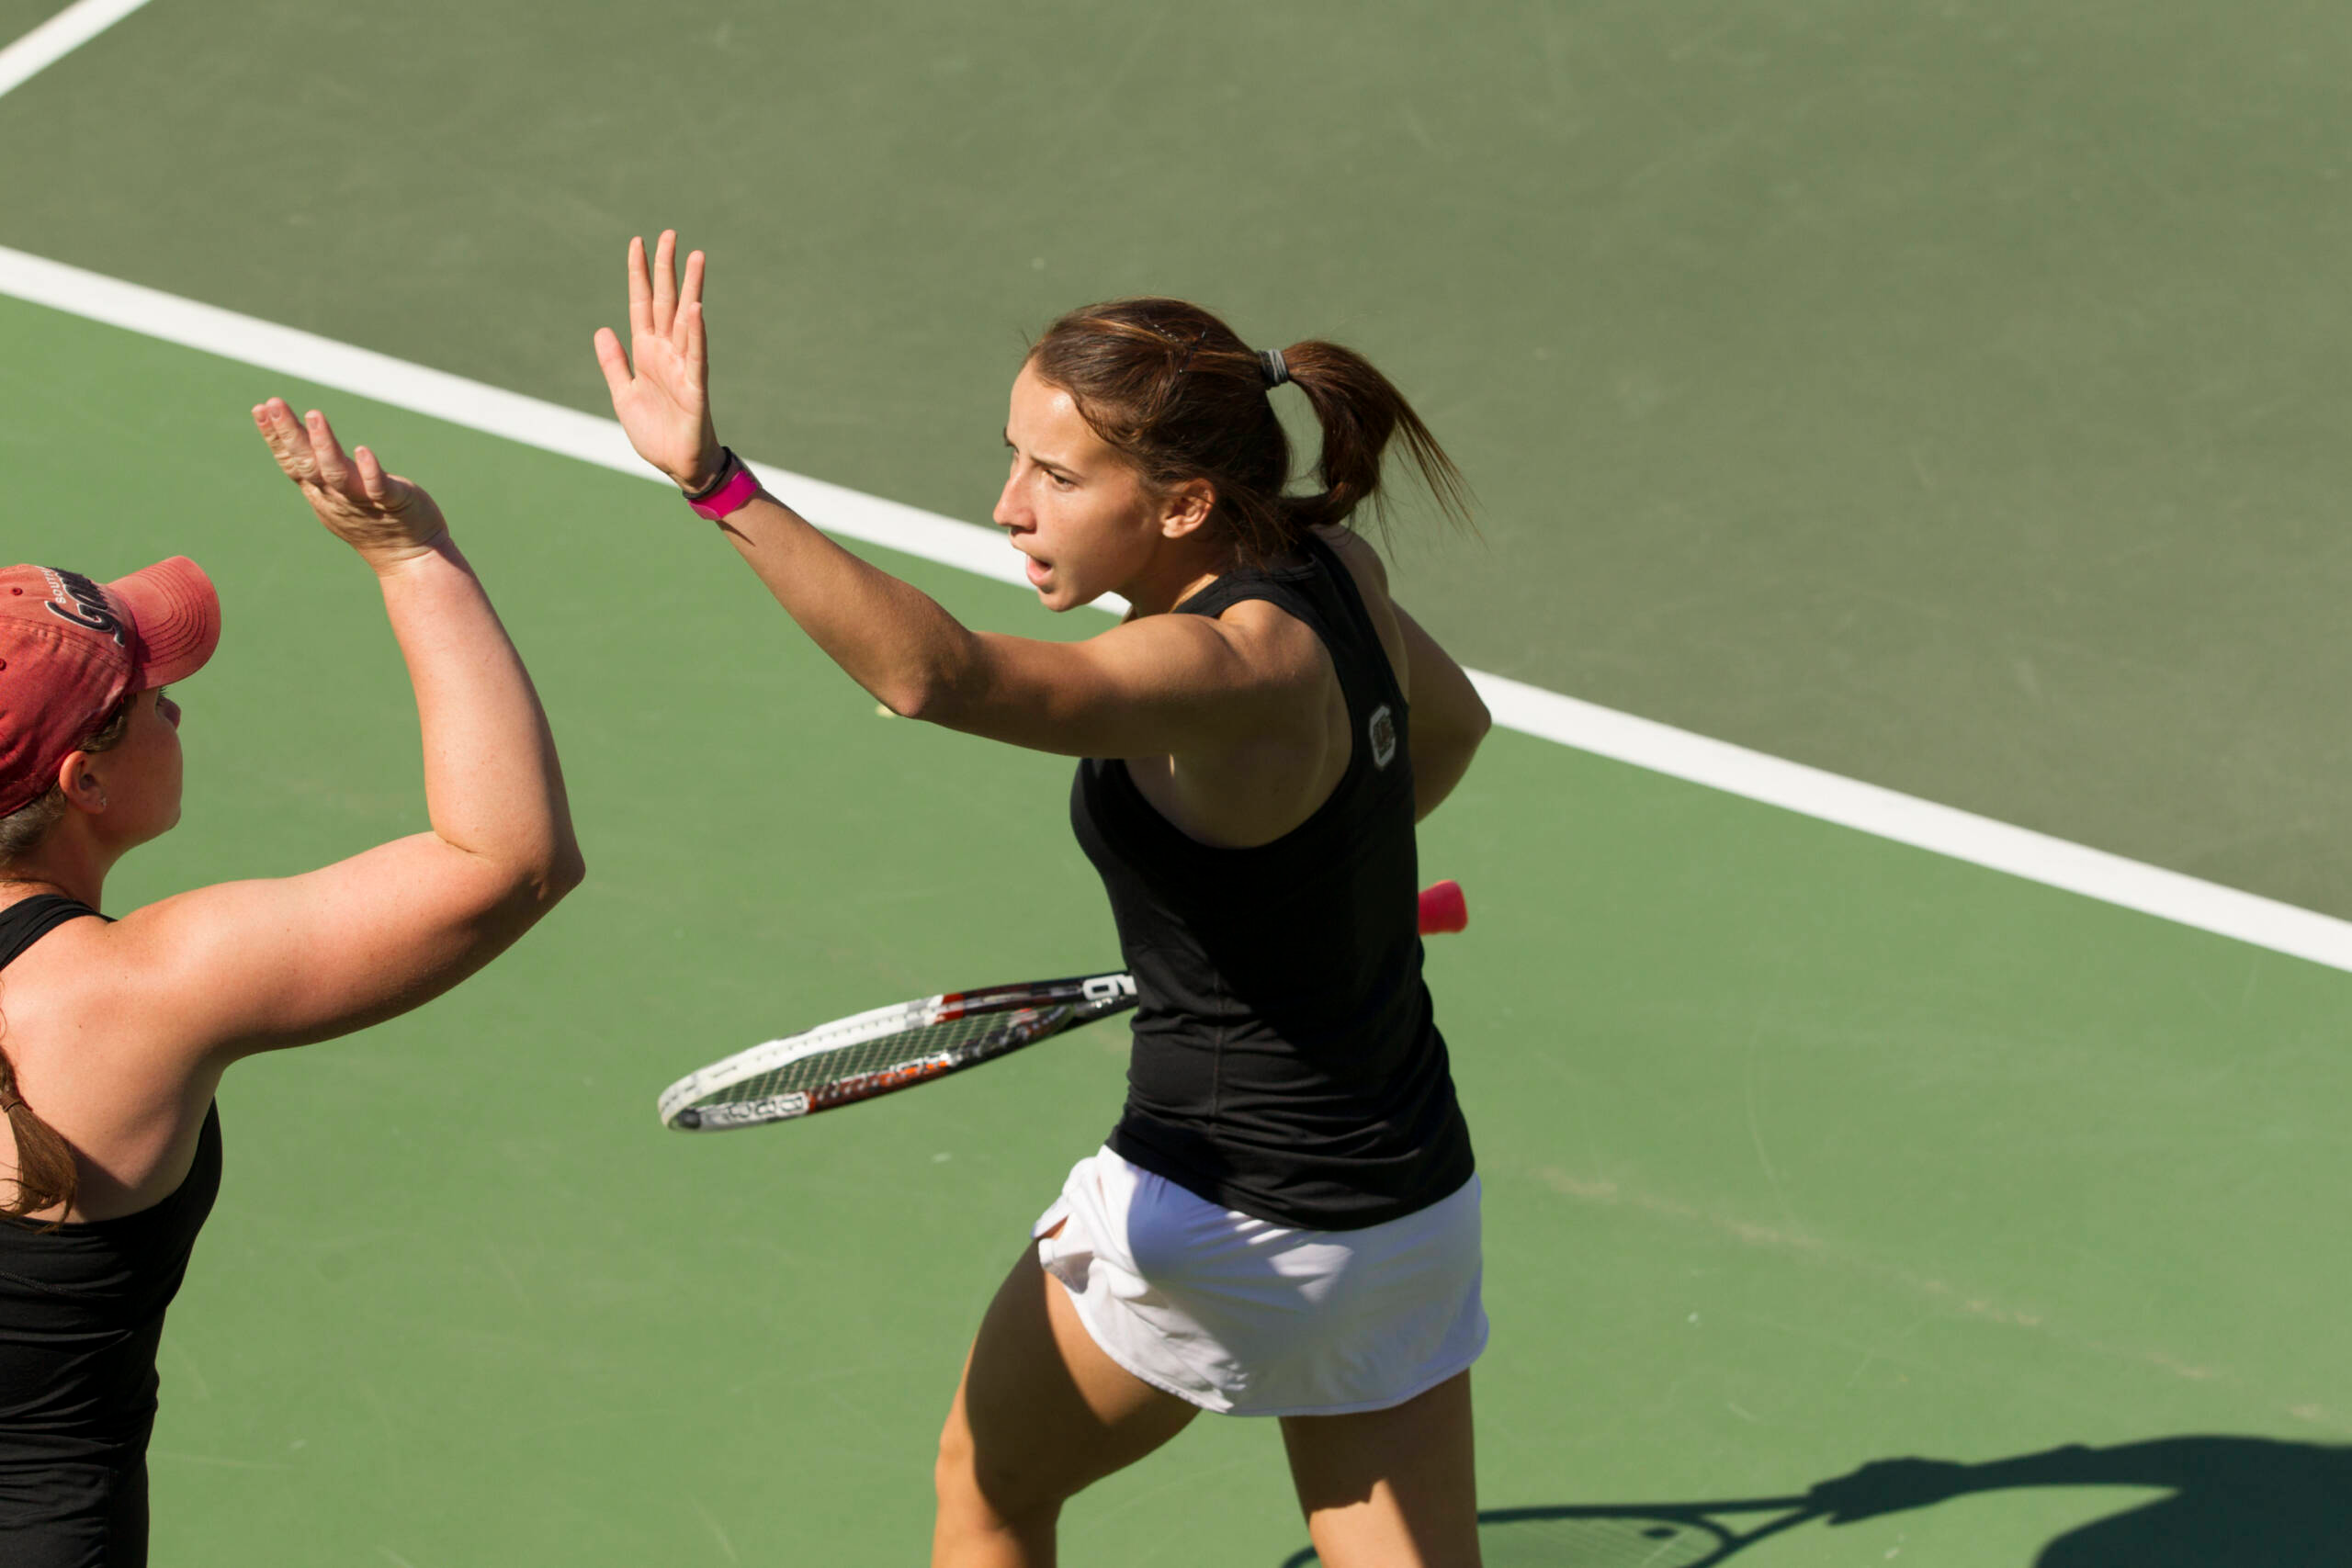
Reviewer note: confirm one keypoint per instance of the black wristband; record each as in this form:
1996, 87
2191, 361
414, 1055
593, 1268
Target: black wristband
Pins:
728, 464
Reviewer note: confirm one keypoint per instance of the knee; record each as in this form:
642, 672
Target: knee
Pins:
985, 1492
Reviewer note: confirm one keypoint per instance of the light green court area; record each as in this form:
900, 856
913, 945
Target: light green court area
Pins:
1802, 1151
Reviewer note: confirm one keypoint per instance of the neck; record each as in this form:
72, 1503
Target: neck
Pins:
1175, 574
73, 868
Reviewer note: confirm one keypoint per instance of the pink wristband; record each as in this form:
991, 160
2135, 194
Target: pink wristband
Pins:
738, 487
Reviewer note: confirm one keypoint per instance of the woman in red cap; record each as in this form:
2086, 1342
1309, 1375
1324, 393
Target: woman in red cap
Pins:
1285, 1220
114, 1032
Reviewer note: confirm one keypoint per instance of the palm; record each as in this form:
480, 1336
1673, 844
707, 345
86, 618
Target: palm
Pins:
661, 407
660, 388
382, 515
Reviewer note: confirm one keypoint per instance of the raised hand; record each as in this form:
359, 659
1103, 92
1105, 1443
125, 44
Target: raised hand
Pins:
382, 515
664, 401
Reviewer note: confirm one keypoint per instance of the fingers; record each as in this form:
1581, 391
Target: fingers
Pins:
692, 291
372, 477
697, 343
612, 362
665, 281
288, 442
641, 290
334, 467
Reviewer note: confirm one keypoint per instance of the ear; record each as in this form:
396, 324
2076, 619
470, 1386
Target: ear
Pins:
84, 790
1186, 509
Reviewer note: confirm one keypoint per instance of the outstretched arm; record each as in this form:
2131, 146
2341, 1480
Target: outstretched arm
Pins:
1162, 684
245, 966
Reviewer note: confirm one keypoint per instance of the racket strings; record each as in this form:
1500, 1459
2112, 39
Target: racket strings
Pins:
899, 1052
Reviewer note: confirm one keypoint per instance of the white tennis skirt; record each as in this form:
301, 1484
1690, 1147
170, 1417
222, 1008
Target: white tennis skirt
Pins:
1246, 1317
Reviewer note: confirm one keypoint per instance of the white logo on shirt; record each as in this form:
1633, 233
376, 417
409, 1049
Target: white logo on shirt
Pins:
1383, 737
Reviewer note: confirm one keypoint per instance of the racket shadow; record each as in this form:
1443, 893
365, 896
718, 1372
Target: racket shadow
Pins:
1624, 1535
2228, 1501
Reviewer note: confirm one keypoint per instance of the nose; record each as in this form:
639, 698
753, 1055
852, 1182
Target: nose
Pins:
1010, 512
170, 710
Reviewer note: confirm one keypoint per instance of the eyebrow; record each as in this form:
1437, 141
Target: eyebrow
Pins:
1054, 464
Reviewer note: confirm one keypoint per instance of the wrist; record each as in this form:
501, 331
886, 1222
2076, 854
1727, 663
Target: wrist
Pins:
709, 471
387, 561
726, 491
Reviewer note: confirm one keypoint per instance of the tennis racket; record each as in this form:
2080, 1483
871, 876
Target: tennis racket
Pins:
1635, 1535
891, 1048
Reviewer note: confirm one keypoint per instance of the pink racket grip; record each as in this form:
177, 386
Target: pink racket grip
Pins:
1444, 909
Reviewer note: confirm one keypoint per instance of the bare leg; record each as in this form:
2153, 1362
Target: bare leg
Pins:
1040, 1413
1396, 1488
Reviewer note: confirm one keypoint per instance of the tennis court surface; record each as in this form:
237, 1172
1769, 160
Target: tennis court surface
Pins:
1947, 395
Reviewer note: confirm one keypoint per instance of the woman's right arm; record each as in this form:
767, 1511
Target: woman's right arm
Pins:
243, 966
1449, 717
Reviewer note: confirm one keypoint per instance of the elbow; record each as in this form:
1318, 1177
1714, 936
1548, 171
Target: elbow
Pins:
938, 680
1465, 726
566, 870
540, 882
929, 697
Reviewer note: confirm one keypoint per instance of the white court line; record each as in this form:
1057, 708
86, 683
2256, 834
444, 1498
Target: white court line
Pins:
1923, 824
59, 35
1884, 813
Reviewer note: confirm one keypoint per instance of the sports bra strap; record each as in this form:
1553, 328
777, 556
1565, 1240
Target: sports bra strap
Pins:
27, 921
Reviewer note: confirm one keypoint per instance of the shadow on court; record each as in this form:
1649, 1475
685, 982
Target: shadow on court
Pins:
2233, 1501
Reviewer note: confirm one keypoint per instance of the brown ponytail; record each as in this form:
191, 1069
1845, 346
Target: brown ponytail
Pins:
46, 1176
1172, 388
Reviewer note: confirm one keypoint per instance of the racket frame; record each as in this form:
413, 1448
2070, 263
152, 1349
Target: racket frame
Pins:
1037, 1009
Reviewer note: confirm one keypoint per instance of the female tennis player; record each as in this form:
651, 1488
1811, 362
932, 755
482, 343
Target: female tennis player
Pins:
1286, 1220
114, 1033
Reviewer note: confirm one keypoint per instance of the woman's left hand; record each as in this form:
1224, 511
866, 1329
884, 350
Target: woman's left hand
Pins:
663, 403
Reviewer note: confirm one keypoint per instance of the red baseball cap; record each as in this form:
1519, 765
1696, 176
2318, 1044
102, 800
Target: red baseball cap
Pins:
71, 649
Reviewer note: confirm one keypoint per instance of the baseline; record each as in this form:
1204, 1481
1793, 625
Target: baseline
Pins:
1531, 710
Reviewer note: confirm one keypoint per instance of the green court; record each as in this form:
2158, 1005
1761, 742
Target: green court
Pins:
1949, 395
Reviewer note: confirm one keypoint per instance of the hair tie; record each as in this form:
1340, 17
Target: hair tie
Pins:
8, 1104
1277, 371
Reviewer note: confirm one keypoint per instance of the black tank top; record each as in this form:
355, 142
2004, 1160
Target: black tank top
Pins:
1286, 1063
81, 1314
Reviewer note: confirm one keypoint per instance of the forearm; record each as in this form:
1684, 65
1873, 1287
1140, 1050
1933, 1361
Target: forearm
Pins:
889, 636
494, 787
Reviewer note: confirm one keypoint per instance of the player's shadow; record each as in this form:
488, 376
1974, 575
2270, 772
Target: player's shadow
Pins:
2254, 1502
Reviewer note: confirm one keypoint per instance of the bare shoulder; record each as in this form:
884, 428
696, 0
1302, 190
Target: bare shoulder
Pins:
147, 973
1282, 649
74, 957
90, 1024
93, 968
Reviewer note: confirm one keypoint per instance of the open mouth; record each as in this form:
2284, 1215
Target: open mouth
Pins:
1038, 572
